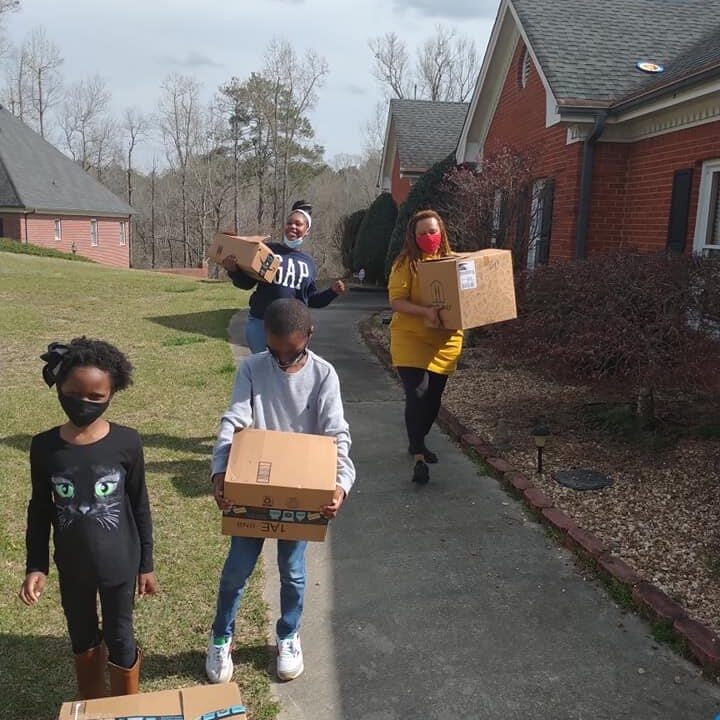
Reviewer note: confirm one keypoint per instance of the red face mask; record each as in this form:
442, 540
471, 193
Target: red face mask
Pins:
429, 243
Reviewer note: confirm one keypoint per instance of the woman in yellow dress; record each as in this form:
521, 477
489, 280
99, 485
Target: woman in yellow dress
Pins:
423, 352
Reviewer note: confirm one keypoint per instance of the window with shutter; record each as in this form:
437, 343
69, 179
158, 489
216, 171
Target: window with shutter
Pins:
707, 222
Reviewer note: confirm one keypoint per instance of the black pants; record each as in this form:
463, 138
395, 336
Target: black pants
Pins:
79, 601
423, 395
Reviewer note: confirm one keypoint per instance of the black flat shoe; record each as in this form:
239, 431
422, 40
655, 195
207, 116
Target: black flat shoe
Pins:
421, 473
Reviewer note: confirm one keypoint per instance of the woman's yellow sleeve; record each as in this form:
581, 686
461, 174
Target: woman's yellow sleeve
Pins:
399, 282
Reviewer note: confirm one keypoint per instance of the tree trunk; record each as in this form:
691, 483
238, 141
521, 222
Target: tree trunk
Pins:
645, 408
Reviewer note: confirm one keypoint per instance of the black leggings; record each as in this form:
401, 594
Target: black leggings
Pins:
79, 601
423, 395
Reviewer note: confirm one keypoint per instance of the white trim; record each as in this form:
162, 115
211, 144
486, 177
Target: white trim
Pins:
461, 153
702, 219
702, 111
123, 233
672, 99
526, 40
94, 233
384, 181
499, 55
57, 229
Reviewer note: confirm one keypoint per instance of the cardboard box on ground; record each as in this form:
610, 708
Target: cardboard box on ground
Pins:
278, 481
472, 289
194, 703
251, 254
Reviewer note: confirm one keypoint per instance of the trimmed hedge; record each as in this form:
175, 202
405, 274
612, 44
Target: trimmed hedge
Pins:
15, 246
426, 194
373, 238
349, 226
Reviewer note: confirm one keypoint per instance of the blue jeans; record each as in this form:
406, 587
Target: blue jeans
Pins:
255, 335
239, 565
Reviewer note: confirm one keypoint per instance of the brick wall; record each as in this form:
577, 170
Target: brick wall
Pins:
399, 186
632, 182
651, 165
109, 251
519, 122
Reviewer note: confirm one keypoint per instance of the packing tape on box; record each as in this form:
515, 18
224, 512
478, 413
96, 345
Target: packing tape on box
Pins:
297, 517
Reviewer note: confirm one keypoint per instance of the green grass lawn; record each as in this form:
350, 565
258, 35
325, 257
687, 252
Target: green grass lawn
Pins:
174, 331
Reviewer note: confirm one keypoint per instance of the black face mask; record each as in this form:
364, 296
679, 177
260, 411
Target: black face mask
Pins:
81, 412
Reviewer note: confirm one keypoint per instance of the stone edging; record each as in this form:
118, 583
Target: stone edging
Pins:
696, 640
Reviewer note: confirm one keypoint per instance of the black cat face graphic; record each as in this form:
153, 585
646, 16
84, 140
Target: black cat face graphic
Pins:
92, 494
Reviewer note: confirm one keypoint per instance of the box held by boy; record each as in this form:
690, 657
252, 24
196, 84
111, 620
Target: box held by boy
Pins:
251, 253
277, 482
221, 701
471, 289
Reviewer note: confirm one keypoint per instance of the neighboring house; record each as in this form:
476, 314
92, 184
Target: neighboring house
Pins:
48, 200
418, 134
618, 105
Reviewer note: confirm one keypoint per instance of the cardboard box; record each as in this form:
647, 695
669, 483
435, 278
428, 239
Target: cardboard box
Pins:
278, 481
195, 703
251, 253
473, 289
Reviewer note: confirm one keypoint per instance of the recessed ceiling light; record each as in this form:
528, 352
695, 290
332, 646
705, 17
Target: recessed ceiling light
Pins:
649, 67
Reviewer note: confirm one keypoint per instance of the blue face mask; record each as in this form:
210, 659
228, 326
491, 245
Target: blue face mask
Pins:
293, 244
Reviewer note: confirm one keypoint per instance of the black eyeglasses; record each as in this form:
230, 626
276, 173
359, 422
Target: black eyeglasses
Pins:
285, 364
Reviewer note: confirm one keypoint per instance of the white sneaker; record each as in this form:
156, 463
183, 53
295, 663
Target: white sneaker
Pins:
218, 663
289, 658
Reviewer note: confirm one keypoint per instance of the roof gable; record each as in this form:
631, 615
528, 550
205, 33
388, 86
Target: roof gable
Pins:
34, 174
425, 131
588, 50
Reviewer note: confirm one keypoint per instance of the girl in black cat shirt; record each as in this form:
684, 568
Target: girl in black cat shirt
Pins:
88, 482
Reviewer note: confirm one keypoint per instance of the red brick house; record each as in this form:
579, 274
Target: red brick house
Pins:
418, 134
618, 104
48, 200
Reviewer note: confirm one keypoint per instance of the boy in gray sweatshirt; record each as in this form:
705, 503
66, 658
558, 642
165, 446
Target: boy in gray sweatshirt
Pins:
286, 388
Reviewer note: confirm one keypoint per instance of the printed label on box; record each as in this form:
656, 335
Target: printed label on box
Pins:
467, 279
263, 472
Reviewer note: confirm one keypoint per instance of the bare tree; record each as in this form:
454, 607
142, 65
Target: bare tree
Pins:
85, 122
135, 127
18, 87
392, 64
295, 86
179, 118
43, 61
445, 67
374, 130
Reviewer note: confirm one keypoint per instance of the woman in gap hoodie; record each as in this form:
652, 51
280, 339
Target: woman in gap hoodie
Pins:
295, 277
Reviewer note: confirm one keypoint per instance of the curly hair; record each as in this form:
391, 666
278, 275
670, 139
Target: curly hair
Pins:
410, 251
85, 352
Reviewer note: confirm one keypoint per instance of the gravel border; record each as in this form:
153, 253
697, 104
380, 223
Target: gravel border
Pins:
689, 636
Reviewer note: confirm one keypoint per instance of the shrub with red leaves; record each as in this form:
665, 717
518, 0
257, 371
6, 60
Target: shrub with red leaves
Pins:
646, 321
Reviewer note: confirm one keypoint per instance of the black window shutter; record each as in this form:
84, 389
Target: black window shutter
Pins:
543, 251
521, 228
679, 210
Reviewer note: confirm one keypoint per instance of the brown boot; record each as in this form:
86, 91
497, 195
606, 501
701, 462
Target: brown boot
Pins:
90, 673
125, 681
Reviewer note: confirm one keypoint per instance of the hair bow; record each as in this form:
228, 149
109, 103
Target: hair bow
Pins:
53, 360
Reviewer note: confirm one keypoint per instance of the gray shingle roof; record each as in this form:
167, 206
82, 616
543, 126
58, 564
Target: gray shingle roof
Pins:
588, 50
34, 174
426, 131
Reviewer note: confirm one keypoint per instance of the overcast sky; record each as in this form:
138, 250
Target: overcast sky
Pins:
135, 44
